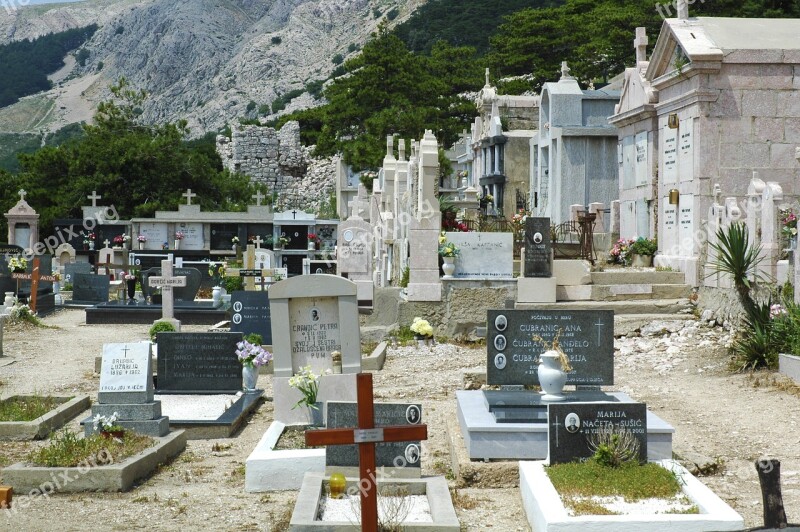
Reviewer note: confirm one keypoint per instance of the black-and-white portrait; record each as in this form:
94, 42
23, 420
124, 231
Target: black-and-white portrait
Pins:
315, 314
413, 414
499, 361
537, 238
500, 342
412, 453
500, 322
572, 422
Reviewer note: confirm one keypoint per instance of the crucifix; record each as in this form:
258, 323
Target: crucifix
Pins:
34, 277
599, 324
94, 196
366, 436
555, 425
258, 196
189, 195
166, 281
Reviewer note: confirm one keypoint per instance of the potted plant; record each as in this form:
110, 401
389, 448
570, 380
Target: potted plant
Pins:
282, 241
553, 368
252, 356
643, 250
448, 251
423, 332
121, 241
17, 264
307, 383
107, 426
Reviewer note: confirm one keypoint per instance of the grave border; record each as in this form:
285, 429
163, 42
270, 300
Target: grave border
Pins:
39, 428
269, 470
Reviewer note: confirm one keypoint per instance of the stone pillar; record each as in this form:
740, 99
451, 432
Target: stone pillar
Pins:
770, 236
711, 277
614, 220
600, 220
424, 283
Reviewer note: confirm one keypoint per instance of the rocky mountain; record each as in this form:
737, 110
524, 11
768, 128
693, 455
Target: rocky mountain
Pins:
206, 61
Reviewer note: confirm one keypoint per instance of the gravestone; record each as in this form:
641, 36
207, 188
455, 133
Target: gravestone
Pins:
70, 269
484, 255
538, 248
198, 363
402, 455
572, 426
181, 293
126, 388
354, 250
156, 234
250, 314
193, 238
586, 336
90, 288
222, 234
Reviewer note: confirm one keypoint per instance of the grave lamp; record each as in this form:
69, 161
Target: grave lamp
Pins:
673, 196
337, 484
336, 358
672, 121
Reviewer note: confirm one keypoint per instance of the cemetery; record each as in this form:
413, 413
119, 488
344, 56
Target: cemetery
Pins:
428, 358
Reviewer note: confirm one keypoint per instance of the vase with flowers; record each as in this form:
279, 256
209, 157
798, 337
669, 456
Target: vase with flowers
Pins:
252, 356
107, 426
553, 368
130, 280
88, 240
121, 241
448, 251
423, 332
789, 228
307, 383
179, 235
141, 239
313, 240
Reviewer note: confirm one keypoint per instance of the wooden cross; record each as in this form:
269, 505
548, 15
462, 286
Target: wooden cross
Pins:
366, 436
189, 195
34, 277
166, 281
258, 196
94, 197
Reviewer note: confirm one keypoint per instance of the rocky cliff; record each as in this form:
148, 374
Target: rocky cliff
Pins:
207, 61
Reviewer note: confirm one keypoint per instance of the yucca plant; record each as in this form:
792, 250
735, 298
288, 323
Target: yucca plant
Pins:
738, 258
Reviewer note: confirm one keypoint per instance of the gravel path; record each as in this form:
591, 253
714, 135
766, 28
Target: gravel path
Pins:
682, 376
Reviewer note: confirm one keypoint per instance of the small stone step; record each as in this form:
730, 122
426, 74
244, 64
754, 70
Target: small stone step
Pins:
621, 292
631, 324
642, 306
624, 276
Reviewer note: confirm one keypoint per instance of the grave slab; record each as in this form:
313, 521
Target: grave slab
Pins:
224, 426
546, 513
269, 470
536, 289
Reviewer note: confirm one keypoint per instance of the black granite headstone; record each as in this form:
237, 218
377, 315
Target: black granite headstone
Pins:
90, 288
250, 314
586, 336
198, 363
222, 235
392, 454
538, 248
181, 293
70, 269
572, 427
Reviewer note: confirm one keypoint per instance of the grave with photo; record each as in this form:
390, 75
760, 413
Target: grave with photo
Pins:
537, 284
512, 423
199, 382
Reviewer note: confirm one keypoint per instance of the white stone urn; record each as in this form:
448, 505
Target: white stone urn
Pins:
448, 266
216, 295
552, 377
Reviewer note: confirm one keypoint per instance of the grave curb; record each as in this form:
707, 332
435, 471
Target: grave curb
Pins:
545, 511
114, 477
375, 360
443, 514
269, 470
40, 427
477, 474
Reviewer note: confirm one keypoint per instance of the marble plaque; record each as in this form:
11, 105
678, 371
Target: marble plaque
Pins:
627, 219
586, 336
193, 235
126, 368
250, 314
628, 163
670, 154
642, 163
571, 427
156, 234
484, 255
669, 235
314, 332
354, 252
686, 150
686, 224
70, 269
198, 363
90, 288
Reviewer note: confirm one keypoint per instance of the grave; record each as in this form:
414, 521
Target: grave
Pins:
512, 424
90, 289
537, 285
250, 314
126, 388
483, 255
39, 428
320, 313
199, 380
70, 269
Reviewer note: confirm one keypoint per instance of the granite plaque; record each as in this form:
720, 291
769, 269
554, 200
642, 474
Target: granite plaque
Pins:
391, 454
181, 293
198, 363
586, 336
126, 368
222, 234
90, 288
250, 314
538, 248
572, 428
484, 255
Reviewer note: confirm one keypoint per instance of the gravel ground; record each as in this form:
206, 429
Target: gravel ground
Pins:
730, 419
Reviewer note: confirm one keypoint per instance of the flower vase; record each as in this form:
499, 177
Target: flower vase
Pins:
141, 246
311, 246
551, 377
91, 246
249, 377
177, 244
216, 296
448, 266
315, 414
131, 288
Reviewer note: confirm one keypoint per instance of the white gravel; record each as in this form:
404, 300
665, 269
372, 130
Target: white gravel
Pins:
348, 509
196, 407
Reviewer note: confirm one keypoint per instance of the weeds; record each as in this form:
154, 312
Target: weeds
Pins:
66, 449
26, 408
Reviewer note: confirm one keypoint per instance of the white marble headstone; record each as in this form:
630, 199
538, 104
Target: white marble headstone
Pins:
125, 368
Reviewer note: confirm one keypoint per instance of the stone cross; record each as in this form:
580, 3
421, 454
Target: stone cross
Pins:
106, 242
189, 195
366, 436
352, 206
166, 281
94, 196
565, 71
487, 77
249, 264
258, 241
22, 194
258, 196
640, 43
683, 9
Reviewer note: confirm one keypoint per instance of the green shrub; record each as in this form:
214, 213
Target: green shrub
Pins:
66, 449
405, 278
160, 326
255, 339
391, 15
644, 246
337, 59
232, 284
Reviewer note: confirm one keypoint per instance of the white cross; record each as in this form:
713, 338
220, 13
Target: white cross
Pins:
189, 195
598, 325
641, 44
257, 241
258, 196
565, 71
94, 196
106, 242
555, 429
166, 281
22, 194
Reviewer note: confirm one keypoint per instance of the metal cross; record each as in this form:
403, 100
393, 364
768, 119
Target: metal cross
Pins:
189, 195
94, 196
